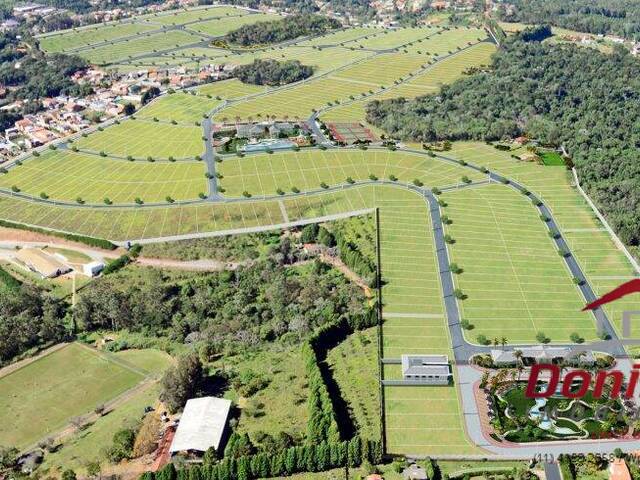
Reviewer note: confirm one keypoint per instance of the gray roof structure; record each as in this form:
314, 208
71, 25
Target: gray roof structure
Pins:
539, 353
425, 365
201, 425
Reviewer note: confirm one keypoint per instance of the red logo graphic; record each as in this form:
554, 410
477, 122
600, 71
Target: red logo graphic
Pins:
553, 372
632, 286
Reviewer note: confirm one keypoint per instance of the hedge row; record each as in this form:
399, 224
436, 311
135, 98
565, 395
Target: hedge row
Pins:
322, 425
357, 262
91, 241
308, 458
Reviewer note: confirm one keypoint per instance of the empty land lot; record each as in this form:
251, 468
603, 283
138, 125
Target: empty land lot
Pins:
64, 175
143, 138
516, 283
419, 420
69, 382
307, 170
180, 107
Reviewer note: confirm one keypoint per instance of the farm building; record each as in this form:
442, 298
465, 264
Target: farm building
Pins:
201, 425
40, 262
537, 354
427, 369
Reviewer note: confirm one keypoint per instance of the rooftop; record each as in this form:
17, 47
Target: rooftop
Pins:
201, 425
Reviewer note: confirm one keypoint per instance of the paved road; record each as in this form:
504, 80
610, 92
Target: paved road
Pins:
210, 159
552, 471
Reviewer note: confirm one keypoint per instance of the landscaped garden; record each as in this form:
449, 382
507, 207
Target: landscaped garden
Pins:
518, 418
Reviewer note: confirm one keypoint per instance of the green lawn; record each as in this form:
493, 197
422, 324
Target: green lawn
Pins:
179, 107
140, 45
41, 397
552, 159
308, 169
93, 35
142, 138
516, 283
222, 26
89, 444
354, 366
64, 175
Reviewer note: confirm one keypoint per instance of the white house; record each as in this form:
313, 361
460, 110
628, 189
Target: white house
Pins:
92, 269
426, 369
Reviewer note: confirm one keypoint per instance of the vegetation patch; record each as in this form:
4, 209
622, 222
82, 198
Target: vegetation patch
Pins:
272, 72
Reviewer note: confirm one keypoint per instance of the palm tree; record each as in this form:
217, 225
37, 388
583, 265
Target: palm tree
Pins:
503, 341
496, 342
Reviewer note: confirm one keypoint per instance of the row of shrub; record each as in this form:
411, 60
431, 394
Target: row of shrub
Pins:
356, 261
91, 241
322, 424
307, 458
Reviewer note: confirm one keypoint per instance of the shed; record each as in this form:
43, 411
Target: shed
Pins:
92, 269
40, 262
201, 425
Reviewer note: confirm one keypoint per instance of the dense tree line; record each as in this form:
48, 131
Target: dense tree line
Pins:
306, 458
272, 72
619, 17
579, 98
286, 28
262, 302
326, 423
28, 318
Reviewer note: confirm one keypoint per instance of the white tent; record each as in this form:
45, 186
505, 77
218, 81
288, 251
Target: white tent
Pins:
201, 425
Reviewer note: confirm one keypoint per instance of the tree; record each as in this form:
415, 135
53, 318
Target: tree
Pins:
129, 108
210, 456
326, 238
68, 475
181, 382
310, 233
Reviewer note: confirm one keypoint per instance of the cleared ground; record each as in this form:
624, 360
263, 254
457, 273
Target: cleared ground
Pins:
64, 175
180, 107
69, 382
307, 170
605, 266
419, 420
142, 138
516, 283
222, 26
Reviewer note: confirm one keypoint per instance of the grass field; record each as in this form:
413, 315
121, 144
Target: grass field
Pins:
354, 366
140, 45
229, 89
94, 35
222, 26
88, 445
419, 420
282, 404
443, 72
69, 382
517, 285
605, 266
180, 107
142, 138
307, 170
180, 17
64, 175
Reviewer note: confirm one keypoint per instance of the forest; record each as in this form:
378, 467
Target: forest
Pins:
617, 17
272, 72
38, 76
287, 28
265, 301
570, 96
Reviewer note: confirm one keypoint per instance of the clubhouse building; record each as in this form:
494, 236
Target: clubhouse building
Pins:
426, 369
539, 354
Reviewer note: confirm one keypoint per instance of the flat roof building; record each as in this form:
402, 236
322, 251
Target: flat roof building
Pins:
538, 354
201, 425
427, 369
40, 262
